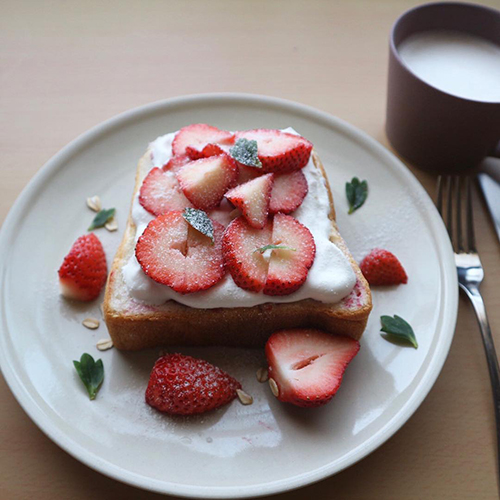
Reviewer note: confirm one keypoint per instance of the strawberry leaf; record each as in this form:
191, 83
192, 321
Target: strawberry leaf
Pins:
91, 373
356, 192
245, 151
398, 329
273, 247
199, 220
101, 218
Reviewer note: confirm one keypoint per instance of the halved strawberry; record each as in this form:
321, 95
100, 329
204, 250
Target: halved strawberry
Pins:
288, 267
278, 151
205, 181
176, 163
247, 266
175, 254
306, 366
253, 198
83, 271
196, 137
279, 270
160, 193
289, 191
381, 267
182, 385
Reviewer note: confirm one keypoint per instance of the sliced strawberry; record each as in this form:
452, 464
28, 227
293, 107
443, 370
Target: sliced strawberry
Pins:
247, 267
306, 366
195, 154
205, 181
212, 150
278, 151
173, 253
246, 173
224, 217
224, 213
196, 137
182, 385
284, 269
207, 151
176, 163
288, 267
381, 267
289, 190
160, 193
253, 198
83, 271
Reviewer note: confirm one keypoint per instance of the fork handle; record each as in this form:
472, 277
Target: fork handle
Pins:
491, 355
489, 346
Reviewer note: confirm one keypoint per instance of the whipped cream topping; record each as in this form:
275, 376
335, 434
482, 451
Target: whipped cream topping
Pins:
330, 278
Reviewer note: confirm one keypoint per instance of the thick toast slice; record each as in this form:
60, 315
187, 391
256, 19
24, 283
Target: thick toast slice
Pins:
134, 325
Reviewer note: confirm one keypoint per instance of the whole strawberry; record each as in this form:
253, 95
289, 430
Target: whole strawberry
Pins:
182, 385
381, 267
83, 272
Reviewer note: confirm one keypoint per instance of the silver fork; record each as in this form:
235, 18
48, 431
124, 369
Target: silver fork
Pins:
470, 272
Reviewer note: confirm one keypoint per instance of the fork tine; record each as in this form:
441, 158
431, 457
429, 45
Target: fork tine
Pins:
458, 196
449, 206
439, 201
471, 239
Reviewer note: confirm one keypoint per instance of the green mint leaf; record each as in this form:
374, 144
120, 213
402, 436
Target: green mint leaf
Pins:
272, 247
91, 373
200, 221
398, 329
245, 151
356, 192
101, 218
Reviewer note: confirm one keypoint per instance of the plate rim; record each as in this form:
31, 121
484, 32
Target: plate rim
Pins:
448, 320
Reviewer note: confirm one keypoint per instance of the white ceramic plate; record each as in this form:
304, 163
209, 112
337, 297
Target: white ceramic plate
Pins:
238, 451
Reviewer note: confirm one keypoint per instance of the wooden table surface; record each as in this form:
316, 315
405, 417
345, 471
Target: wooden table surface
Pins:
66, 66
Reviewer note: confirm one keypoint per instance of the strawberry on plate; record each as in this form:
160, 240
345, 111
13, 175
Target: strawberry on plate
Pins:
172, 252
278, 151
289, 191
381, 267
253, 198
306, 366
182, 385
83, 271
160, 192
192, 139
204, 182
274, 260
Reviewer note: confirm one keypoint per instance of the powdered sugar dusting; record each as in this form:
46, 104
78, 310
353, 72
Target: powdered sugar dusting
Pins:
403, 215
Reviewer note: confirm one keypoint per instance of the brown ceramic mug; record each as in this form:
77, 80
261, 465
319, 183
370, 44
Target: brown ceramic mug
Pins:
431, 128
